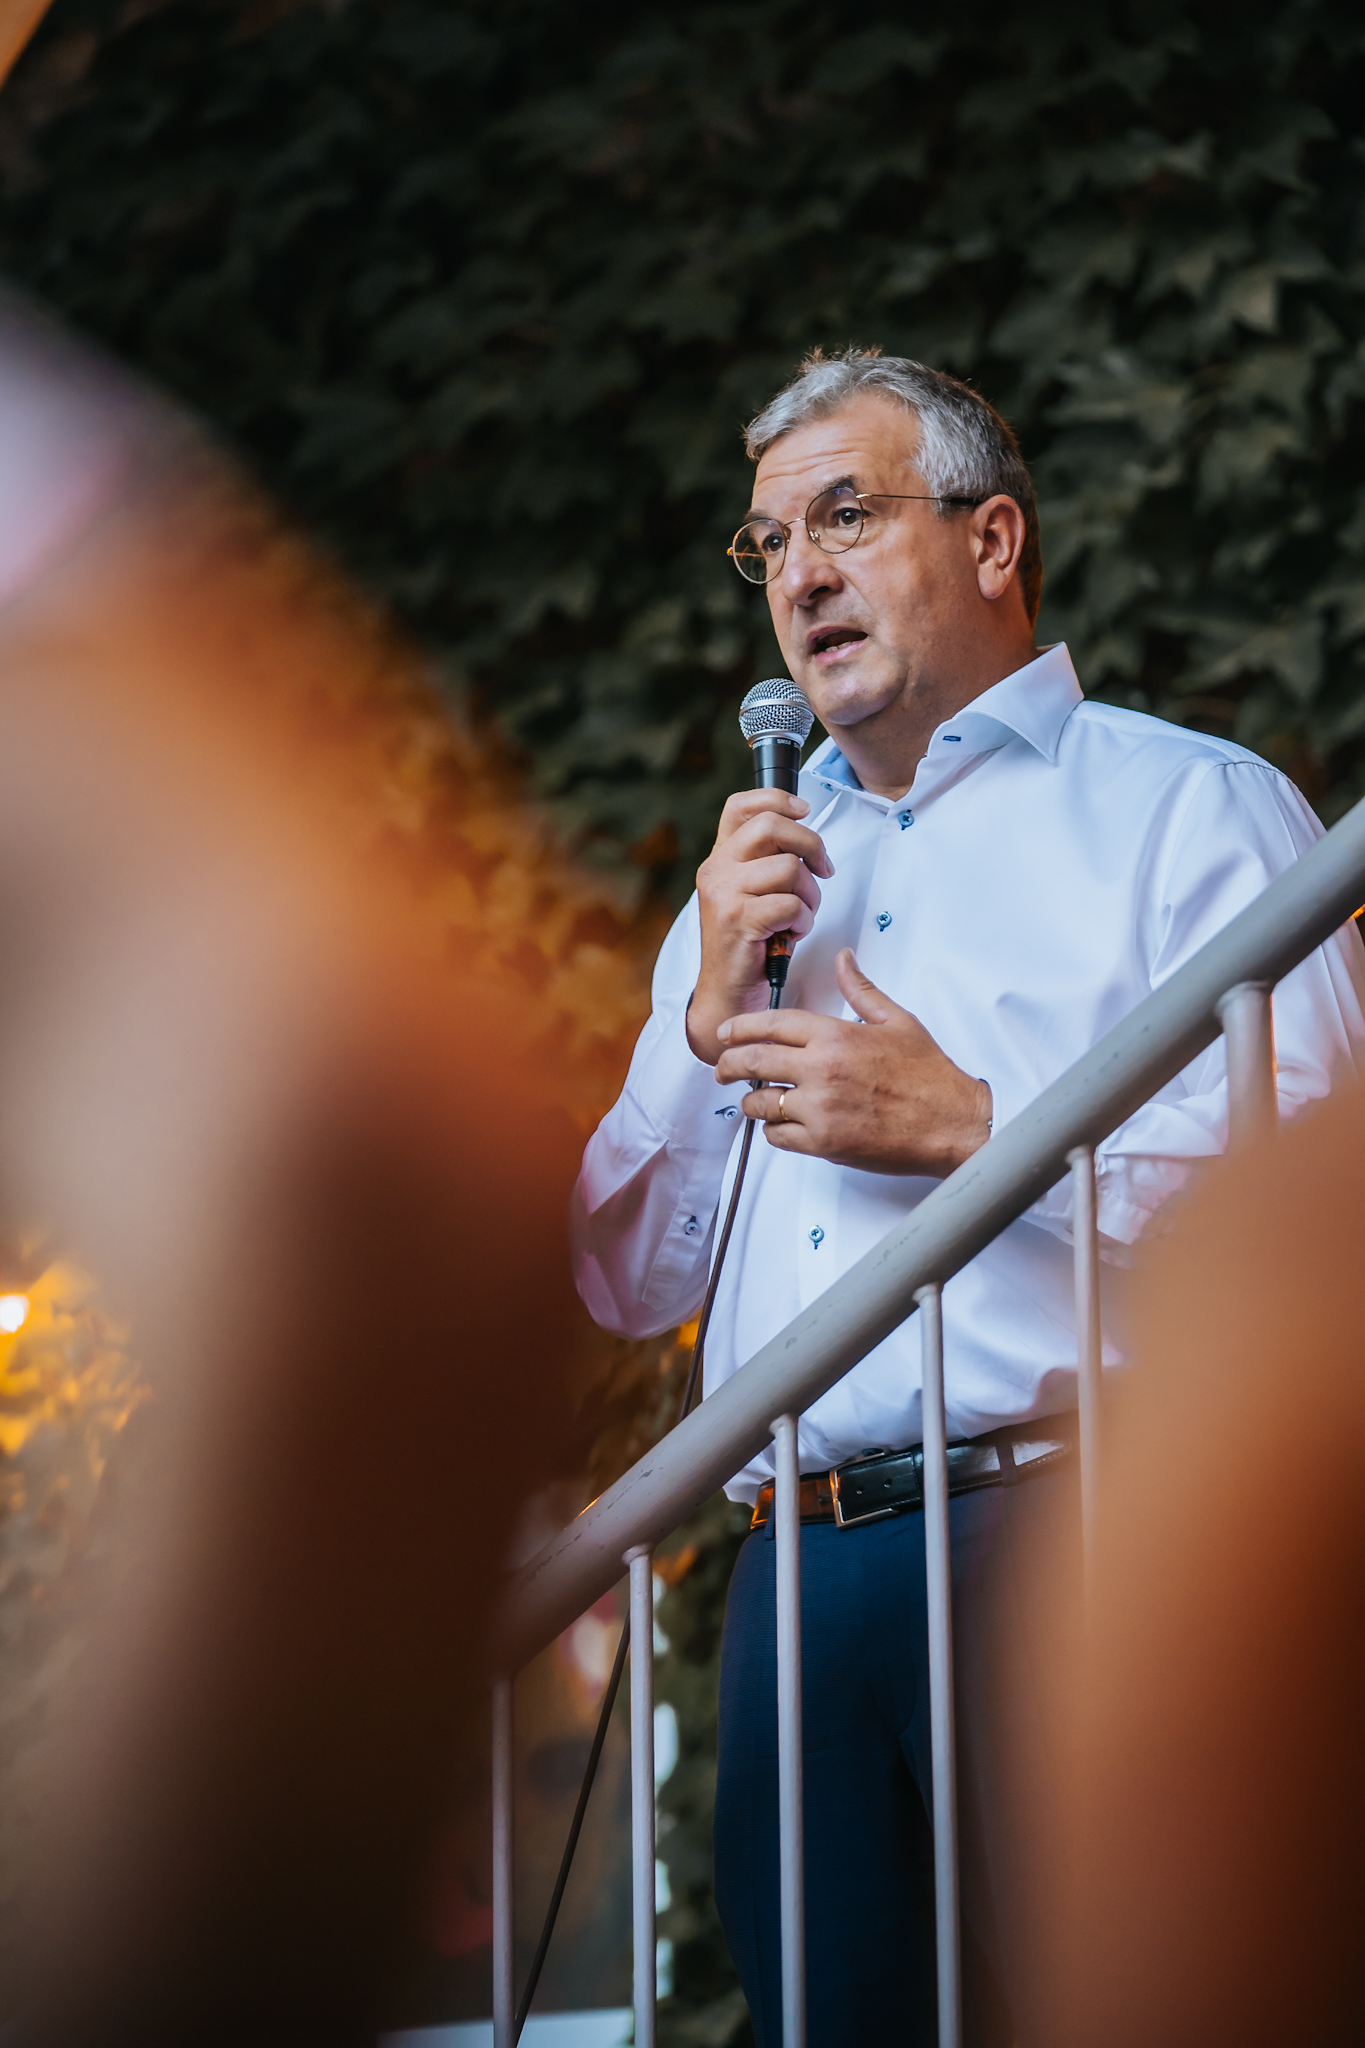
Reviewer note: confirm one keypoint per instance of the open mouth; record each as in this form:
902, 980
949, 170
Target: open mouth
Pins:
834, 640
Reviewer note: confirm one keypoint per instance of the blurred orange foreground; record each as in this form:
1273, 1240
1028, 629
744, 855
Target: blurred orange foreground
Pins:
1207, 1884
323, 1180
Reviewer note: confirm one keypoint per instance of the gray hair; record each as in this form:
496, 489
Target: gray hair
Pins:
965, 449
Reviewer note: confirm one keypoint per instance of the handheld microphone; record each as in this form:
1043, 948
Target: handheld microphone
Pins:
776, 719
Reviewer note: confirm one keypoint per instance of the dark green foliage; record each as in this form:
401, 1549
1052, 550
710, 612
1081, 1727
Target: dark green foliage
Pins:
707, 2009
635, 1404
485, 294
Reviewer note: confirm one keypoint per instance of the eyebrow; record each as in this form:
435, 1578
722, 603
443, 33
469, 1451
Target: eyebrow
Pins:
835, 484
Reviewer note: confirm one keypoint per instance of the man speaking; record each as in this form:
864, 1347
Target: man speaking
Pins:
984, 873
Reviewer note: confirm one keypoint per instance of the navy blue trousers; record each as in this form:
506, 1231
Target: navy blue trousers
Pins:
865, 1681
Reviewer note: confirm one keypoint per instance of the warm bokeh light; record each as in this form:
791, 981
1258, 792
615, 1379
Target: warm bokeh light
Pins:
14, 1310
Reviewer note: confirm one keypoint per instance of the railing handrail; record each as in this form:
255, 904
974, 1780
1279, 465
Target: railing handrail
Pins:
1287, 922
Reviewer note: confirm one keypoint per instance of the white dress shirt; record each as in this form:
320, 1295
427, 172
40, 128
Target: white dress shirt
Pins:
1054, 862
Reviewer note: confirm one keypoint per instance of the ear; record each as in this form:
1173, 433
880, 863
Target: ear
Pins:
998, 541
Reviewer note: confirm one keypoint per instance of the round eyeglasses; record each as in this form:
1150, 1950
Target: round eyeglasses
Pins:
834, 521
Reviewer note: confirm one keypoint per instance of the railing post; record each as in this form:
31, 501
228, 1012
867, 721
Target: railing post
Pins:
936, 1238
943, 1734
791, 1819
641, 1563
504, 1923
1249, 1040
1085, 1231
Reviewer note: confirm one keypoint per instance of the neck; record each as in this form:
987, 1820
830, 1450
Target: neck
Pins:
885, 750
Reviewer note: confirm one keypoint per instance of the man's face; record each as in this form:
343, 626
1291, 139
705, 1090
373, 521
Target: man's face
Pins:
863, 628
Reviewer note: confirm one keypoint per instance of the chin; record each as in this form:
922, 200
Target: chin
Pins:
847, 700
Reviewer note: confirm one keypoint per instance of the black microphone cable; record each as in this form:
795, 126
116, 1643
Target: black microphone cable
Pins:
776, 721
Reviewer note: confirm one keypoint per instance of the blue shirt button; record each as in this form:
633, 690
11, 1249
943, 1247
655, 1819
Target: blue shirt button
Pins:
905, 818
817, 1237
691, 1227
883, 920
728, 1111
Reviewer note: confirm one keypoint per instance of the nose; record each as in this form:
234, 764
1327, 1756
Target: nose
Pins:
806, 570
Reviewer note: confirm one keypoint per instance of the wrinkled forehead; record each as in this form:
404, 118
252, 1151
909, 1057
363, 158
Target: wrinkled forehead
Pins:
868, 444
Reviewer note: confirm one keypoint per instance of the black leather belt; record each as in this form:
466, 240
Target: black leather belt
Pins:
892, 1482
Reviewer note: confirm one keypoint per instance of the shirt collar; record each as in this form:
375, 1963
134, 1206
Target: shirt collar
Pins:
1034, 703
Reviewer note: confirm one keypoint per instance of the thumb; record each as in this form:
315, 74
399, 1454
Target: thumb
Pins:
863, 997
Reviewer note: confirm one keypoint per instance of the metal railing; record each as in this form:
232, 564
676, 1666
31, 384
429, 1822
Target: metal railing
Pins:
1225, 989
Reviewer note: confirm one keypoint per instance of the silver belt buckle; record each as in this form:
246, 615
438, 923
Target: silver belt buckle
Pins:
1036, 1449
844, 1521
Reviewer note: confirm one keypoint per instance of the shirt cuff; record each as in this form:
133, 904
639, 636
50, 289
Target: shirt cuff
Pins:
679, 1095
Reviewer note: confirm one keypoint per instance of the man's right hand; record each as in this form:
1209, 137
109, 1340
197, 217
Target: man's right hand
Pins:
759, 878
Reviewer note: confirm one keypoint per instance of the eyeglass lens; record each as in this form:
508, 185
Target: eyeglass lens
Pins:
833, 520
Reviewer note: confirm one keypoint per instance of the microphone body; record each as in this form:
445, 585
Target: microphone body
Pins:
777, 763
776, 719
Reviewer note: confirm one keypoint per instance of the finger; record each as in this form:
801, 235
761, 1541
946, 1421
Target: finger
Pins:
863, 997
774, 1106
780, 875
752, 803
759, 917
773, 1027
759, 1063
784, 1133
770, 834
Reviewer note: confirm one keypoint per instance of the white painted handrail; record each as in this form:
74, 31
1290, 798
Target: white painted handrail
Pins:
1225, 988
1164, 1033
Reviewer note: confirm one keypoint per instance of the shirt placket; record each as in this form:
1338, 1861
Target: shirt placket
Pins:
818, 1251
883, 932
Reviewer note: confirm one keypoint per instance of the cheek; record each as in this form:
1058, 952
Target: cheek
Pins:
955, 571
925, 586
910, 598
780, 612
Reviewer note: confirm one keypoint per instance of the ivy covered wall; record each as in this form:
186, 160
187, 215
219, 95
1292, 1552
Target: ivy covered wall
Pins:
484, 293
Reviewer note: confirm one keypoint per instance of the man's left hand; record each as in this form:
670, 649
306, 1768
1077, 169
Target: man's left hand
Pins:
880, 1095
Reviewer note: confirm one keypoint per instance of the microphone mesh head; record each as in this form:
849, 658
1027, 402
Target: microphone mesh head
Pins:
776, 710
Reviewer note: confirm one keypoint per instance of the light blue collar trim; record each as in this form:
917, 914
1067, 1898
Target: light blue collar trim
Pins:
829, 764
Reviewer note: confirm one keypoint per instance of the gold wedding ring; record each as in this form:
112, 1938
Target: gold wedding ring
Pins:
782, 1105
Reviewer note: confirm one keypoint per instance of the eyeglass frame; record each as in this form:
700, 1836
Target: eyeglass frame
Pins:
784, 527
